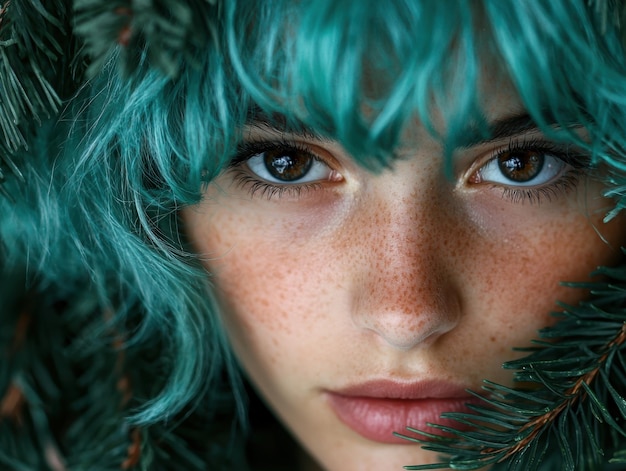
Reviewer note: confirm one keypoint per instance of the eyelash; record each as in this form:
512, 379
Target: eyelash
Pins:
561, 185
258, 187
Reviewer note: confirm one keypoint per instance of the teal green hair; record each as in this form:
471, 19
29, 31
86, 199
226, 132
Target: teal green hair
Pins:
106, 181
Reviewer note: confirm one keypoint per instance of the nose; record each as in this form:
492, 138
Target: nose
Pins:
405, 293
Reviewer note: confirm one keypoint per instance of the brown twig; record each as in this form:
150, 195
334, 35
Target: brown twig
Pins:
573, 394
24, 320
12, 404
124, 387
134, 450
124, 35
3, 10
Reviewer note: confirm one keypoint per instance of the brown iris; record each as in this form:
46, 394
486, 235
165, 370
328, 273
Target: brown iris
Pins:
521, 165
287, 165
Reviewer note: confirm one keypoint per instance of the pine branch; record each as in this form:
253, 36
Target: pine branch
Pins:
573, 401
65, 393
34, 45
166, 34
578, 392
28, 49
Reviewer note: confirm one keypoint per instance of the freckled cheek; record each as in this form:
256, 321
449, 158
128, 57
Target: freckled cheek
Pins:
520, 266
272, 314
271, 278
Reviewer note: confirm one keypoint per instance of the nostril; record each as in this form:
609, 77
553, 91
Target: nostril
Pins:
406, 331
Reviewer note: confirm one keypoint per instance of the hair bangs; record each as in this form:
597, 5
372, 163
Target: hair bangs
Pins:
361, 72
567, 63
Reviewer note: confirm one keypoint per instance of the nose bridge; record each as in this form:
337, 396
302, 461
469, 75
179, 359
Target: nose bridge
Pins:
405, 296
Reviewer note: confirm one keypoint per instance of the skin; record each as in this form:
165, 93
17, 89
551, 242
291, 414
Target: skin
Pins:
402, 275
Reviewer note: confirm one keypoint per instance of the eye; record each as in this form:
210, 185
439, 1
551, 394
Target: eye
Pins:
521, 167
289, 165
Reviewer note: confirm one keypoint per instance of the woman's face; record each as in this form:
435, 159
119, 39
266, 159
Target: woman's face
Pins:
361, 303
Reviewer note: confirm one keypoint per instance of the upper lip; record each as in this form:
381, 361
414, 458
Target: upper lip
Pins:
391, 389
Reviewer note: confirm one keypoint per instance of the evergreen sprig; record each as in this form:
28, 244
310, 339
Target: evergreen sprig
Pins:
65, 394
570, 404
167, 33
33, 47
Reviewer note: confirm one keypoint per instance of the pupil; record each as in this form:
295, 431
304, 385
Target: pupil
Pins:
521, 166
287, 166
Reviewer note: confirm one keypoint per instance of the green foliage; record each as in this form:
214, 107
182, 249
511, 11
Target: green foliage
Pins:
570, 406
167, 32
65, 393
33, 54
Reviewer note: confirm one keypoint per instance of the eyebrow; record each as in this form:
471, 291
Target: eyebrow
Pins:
499, 129
277, 122
513, 125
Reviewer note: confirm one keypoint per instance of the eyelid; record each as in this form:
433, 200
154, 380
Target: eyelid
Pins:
258, 185
256, 145
572, 155
574, 158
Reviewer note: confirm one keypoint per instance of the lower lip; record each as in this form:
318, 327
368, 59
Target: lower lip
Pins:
376, 419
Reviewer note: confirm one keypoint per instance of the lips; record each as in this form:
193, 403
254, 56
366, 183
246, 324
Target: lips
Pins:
376, 409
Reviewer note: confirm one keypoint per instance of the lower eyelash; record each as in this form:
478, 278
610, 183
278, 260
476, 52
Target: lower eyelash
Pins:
560, 187
267, 190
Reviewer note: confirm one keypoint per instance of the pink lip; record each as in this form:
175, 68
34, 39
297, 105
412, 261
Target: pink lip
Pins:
376, 409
